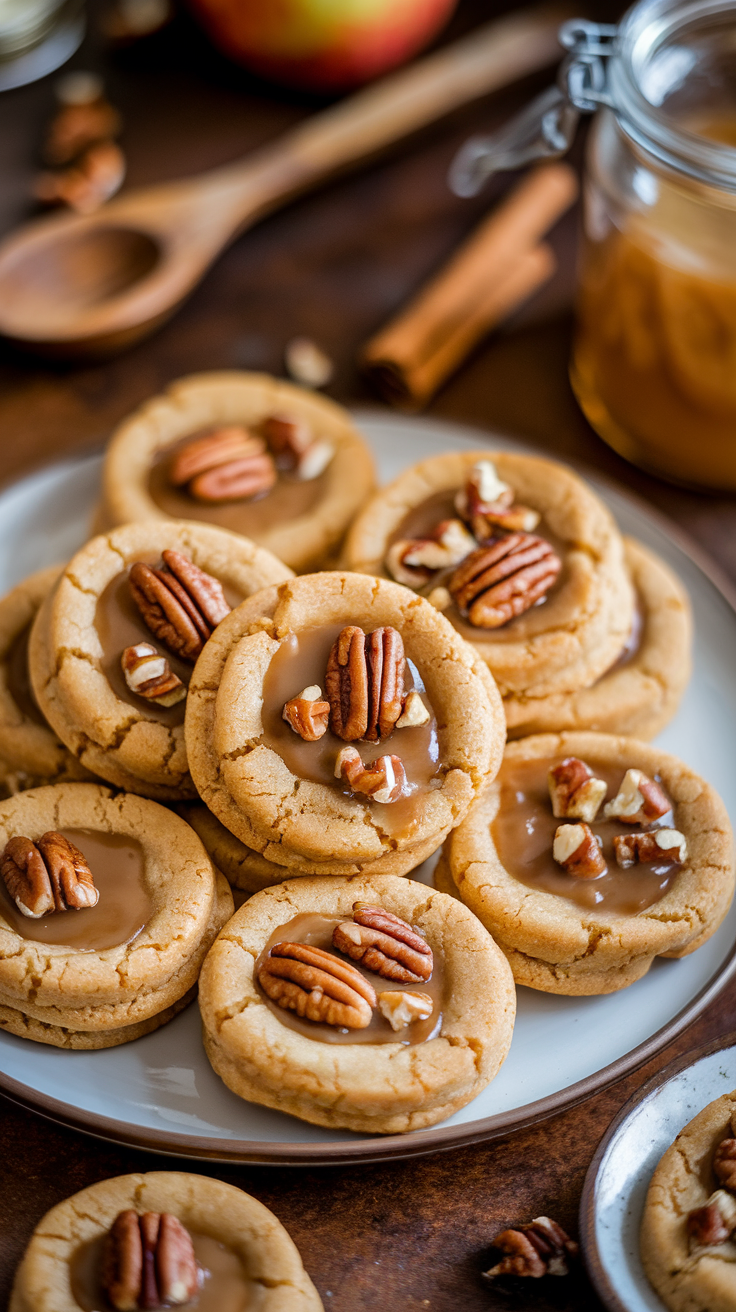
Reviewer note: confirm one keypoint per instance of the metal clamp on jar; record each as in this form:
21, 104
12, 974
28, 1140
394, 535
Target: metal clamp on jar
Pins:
654, 360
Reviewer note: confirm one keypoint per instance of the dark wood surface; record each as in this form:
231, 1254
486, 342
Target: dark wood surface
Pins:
334, 266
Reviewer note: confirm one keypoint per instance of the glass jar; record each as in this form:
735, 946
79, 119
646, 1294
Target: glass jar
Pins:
37, 36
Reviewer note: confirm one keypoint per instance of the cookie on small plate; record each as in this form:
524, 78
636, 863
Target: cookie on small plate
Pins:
249, 453
368, 1004
202, 1242
589, 856
114, 644
337, 723
108, 905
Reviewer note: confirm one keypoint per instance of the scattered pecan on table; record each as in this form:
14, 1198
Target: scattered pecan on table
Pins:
540, 1248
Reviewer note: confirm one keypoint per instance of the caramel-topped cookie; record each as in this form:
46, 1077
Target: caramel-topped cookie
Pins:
337, 719
161, 1239
519, 555
370, 1004
114, 644
589, 856
108, 905
249, 453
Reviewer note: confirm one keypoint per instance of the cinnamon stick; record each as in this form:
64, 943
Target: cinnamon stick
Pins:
498, 268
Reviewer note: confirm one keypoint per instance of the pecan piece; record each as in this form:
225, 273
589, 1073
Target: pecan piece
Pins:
503, 579
487, 504
148, 1262
639, 800
714, 1222
403, 1009
541, 1248
181, 604
294, 446
149, 674
413, 561
48, 875
657, 845
724, 1163
383, 780
574, 791
384, 944
317, 985
308, 714
364, 683
414, 713
577, 849
84, 117
86, 184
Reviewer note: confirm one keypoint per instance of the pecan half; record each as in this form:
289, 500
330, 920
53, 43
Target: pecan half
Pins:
294, 446
383, 780
578, 851
308, 714
181, 604
384, 944
402, 1009
714, 1222
148, 674
364, 683
657, 845
317, 985
639, 800
48, 875
487, 504
148, 1262
724, 1163
541, 1248
413, 561
229, 464
503, 579
574, 791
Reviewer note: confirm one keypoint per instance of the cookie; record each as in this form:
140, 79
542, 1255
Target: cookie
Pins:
297, 513
640, 694
398, 795
245, 1256
593, 925
532, 576
380, 1075
688, 1252
91, 619
112, 958
30, 751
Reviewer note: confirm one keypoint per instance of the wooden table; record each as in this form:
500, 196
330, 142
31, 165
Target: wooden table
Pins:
334, 266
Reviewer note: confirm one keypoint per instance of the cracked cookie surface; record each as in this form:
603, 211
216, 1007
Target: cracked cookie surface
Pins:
271, 1265
553, 944
387, 1088
297, 822
126, 743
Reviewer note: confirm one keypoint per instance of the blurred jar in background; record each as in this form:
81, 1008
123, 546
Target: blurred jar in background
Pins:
37, 36
654, 361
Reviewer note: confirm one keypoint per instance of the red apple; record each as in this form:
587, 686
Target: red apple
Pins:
323, 45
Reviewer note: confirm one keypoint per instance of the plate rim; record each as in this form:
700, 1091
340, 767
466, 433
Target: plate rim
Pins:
418, 1143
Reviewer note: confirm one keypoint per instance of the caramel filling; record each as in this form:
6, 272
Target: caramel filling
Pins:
19, 680
633, 643
422, 520
225, 1288
124, 906
316, 929
523, 833
289, 499
301, 662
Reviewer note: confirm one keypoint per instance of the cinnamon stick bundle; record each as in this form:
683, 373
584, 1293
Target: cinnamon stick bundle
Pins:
499, 267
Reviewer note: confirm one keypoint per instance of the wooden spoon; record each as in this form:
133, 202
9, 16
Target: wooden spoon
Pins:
80, 285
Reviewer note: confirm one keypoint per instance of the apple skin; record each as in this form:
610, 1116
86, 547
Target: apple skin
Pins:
321, 45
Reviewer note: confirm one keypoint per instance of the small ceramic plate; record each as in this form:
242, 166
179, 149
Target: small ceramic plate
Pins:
618, 1177
160, 1091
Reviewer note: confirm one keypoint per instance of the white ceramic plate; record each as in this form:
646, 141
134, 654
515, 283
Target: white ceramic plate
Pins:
160, 1091
618, 1177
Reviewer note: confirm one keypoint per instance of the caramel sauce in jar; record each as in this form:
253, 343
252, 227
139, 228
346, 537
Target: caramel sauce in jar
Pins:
523, 833
316, 930
225, 1285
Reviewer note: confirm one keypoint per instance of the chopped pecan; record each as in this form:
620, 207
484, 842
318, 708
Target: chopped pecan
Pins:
48, 875
657, 845
229, 464
401, 1009
83, 118
439, 598
149, 674
181, 604
294, 446
714, 1222
86, 184
724, 1163
364, 683
383, 780
413, 561
317, 985
577, 849
504, 578
541, 1248
307, 363
574, 791
487, 504
308, 714
639, 800
384, 944
148, 1262
414, 712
